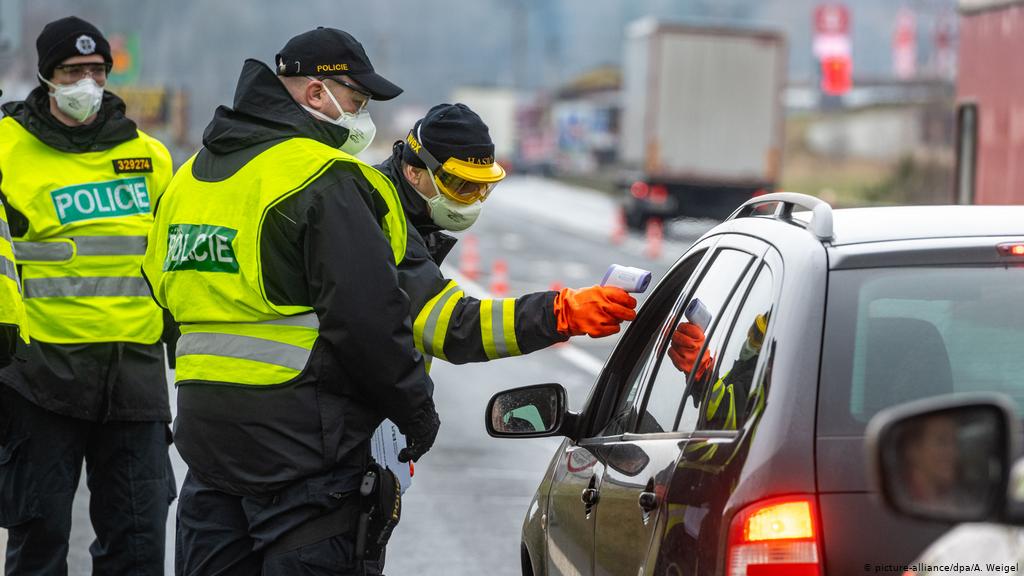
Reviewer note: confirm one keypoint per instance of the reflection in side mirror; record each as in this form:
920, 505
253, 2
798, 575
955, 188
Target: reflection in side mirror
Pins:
944, 458
528, 412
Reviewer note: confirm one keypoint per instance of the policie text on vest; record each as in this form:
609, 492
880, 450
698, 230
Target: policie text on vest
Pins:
110, 199
200, 247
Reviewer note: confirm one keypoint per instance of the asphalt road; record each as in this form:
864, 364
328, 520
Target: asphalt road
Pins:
464, 511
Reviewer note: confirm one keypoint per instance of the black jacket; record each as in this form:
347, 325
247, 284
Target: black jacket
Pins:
420, 276
98, 382
322, 247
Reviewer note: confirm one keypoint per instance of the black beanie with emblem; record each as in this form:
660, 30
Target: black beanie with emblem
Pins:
67, 37
451, 131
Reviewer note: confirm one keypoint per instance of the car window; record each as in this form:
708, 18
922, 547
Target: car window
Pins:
633, 354
728, 386
895, 335
665, 392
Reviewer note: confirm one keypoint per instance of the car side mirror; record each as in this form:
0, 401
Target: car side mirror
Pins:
528, 412
946, 458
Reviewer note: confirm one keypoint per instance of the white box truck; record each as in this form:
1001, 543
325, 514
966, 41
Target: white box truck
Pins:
702, 118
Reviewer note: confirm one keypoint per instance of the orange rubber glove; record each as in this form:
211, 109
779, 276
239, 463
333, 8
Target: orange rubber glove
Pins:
596, 311
686, 342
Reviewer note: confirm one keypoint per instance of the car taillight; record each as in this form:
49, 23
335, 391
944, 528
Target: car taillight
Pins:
659, 193
1011, 249
639, 190
775, 537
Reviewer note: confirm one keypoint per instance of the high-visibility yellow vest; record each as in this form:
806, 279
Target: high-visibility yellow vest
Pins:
12, 309
204, 265
89, 214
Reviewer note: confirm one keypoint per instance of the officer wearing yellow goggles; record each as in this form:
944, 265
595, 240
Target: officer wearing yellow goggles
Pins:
461, 180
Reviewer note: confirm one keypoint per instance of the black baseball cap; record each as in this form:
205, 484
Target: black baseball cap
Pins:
332, 52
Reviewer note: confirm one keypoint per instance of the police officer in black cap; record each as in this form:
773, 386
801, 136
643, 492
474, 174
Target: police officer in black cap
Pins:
296, 341
79, 180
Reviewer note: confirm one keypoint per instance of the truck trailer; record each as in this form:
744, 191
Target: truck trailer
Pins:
702, 119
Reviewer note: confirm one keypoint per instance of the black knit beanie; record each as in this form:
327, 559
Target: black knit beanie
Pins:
452, 131
67, 37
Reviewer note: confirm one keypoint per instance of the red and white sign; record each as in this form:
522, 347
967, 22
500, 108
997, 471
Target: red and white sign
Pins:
904, 45
831, 31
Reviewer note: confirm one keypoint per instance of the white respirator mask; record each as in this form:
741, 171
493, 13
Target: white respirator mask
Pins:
79, 100
449, 214
360, 126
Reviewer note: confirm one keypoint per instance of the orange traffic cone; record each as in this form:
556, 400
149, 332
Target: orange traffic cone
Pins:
619, 227
469, 258
499, 278
654, 237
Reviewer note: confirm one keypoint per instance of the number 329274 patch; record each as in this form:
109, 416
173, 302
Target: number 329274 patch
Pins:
132, 165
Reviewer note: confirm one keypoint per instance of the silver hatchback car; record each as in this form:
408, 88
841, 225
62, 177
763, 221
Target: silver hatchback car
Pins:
813, 321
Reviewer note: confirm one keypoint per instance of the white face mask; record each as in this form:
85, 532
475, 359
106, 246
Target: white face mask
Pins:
448, 213
79, 100
361, 128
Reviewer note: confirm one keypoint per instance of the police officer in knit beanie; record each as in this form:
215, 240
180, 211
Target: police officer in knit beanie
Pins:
68, 37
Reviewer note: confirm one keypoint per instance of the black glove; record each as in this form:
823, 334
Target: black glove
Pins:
420, 433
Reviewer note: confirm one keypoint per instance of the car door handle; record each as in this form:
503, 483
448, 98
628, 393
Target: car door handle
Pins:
590, 496
648, 501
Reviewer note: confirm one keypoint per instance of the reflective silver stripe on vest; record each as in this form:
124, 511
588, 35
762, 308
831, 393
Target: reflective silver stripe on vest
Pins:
111, 245
86, 286
430, 326
86, 246
5, 230
43, 251
244, 348
308, 320
8, 269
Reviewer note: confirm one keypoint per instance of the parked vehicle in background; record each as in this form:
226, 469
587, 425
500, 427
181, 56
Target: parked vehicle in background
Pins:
976, 439
702, 118
815, 320
990, 100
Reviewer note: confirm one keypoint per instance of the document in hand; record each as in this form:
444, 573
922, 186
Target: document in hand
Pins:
385, 445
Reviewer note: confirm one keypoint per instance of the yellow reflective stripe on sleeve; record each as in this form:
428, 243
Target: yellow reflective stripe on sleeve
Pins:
509, 326
442, 325
486, 330
498, 328
431, 324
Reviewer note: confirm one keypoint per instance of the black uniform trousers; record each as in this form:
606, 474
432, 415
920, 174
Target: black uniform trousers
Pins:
222, 534
130, 481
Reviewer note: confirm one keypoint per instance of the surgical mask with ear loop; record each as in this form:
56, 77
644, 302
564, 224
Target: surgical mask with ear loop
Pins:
79, 100
361, 128
449, 214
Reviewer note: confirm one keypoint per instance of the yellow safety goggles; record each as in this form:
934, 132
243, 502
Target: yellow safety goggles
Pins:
462, 181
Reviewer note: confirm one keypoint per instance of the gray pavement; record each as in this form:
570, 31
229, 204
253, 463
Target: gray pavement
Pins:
464, 512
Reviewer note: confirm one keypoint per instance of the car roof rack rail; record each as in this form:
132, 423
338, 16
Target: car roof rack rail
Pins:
821, 212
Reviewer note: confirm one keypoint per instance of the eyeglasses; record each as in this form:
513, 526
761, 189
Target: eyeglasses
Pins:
79, 71
462, 181
360, 103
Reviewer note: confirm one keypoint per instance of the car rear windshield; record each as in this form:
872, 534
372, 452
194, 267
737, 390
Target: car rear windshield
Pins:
899, 334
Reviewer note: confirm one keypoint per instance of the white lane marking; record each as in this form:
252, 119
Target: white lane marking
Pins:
583, 360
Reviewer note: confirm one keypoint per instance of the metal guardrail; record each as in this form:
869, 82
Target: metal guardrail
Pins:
820, 223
